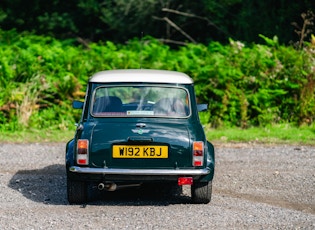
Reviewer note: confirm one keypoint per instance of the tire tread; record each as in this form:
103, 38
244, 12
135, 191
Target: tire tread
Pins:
76, 191
201, 192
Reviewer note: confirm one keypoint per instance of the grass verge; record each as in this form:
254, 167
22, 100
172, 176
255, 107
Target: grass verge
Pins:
36, 136
276, 134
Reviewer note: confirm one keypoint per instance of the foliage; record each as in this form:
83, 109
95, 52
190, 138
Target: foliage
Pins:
245, 86
170, 20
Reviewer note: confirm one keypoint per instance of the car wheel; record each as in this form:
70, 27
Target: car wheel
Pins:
201, 192
77, 192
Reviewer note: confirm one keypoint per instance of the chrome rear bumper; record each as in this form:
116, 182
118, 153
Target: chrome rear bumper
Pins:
144, 172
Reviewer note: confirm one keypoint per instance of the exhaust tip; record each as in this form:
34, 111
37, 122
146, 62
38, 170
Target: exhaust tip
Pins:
109, 187
100, 186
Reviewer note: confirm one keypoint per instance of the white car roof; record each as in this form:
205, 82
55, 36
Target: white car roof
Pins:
141, 75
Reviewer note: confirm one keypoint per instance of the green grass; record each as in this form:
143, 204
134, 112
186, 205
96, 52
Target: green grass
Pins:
276, 134
36, 136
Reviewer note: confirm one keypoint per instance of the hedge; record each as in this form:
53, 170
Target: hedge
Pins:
244, 85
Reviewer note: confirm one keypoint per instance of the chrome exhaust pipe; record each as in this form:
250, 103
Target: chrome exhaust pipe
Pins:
101, 186
109, 187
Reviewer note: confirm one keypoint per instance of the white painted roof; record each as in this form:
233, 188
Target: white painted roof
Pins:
141, 75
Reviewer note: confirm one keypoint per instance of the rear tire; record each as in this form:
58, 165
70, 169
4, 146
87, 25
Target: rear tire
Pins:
76, 191
201, 192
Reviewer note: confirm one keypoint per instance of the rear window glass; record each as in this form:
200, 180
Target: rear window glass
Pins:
143, 101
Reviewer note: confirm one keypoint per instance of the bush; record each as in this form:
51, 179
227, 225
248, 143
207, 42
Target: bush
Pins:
244, 85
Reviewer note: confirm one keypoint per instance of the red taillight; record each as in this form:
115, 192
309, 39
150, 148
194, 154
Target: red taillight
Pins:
82, 152
198, 152
185, 181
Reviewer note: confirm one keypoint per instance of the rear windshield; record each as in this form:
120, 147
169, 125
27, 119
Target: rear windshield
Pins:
140, 101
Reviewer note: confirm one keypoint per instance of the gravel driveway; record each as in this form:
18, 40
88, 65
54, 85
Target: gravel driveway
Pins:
255, 187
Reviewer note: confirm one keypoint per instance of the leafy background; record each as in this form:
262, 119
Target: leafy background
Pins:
172, 21
252, 61
244, 85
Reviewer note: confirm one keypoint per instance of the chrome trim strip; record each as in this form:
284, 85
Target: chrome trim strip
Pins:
144, 172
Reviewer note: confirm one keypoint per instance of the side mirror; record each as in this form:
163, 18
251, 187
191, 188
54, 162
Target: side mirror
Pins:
202, 107
77, 104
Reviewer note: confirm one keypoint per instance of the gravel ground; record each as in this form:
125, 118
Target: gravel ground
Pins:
255, 187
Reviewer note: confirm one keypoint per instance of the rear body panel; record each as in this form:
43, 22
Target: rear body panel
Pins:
105, 135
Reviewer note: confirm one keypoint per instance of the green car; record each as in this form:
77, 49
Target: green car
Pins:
138, 127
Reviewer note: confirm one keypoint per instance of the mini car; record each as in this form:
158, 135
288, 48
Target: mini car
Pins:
139, 126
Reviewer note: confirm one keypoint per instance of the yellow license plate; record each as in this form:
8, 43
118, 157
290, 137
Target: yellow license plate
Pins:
140, 151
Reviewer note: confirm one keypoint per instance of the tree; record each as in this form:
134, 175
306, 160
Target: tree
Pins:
176, 21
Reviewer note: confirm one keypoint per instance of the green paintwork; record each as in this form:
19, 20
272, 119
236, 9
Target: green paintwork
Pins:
103, 133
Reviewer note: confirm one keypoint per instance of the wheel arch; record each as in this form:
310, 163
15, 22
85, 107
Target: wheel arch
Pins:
69, 154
